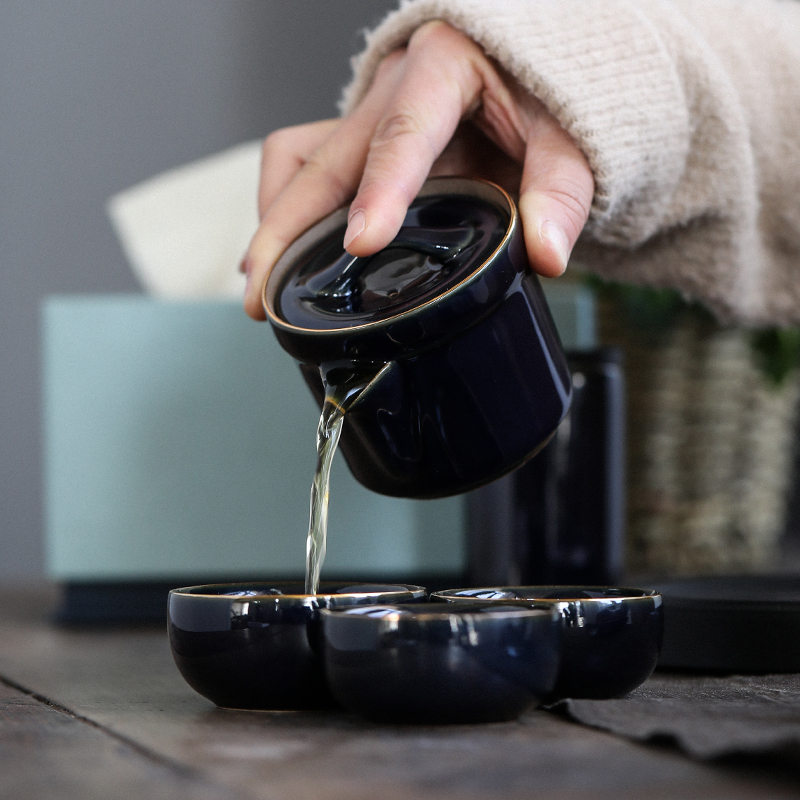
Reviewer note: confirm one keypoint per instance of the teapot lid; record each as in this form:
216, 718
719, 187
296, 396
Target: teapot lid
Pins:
428, 275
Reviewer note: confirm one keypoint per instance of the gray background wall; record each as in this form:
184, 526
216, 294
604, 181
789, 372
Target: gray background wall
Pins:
96, 95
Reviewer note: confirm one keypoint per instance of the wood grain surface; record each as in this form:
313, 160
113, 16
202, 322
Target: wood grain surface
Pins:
104, 713
46, 752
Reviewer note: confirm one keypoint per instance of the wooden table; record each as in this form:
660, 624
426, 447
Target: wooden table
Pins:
105, 714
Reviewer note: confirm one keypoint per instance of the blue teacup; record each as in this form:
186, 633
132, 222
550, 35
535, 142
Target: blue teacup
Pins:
257, 645
431, 663
612, 636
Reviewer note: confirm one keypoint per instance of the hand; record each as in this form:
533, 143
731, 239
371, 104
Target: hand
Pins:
439, 106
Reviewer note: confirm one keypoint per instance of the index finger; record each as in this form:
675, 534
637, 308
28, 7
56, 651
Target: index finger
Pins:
444, 76
327, 179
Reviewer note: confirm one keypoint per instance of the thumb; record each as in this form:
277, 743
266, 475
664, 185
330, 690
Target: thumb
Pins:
555, 197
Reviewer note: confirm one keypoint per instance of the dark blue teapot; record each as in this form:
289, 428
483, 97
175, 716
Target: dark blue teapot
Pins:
465, 375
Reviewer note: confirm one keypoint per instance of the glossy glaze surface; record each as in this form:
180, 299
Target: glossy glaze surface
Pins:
257, 645
443, 239
434, 664
469, 383
611, 640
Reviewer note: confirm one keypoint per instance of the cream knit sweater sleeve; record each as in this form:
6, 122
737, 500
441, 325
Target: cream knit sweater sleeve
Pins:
688, 112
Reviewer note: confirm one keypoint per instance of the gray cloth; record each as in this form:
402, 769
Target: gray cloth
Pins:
708, 717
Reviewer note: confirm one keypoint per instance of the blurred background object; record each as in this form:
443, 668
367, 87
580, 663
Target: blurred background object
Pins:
183, 231
179, 447
560, 518
97, 96
712, 415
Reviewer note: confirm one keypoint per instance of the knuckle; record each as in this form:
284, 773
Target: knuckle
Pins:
390, 63
574, 198
430, 34
395, 126
337, 187
400, 141
276, 143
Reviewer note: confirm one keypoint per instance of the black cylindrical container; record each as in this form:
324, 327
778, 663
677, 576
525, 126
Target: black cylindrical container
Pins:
560, 518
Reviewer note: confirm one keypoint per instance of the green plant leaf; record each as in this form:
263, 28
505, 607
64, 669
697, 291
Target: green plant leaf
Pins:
778, 352
651, 312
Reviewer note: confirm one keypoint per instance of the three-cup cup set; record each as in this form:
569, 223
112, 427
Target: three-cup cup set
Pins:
466, 381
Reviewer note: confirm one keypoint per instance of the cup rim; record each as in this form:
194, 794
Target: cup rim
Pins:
377, 590
607, 593
435, 612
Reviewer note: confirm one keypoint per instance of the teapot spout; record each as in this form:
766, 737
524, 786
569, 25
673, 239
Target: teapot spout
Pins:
343, 379
380, 435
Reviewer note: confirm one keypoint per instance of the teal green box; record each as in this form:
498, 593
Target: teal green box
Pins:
180, 442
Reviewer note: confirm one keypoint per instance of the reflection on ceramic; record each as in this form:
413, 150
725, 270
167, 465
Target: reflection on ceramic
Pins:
256, 645
456, 401
432, 664
611, 635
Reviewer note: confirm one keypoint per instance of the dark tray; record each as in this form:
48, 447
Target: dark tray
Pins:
743, 623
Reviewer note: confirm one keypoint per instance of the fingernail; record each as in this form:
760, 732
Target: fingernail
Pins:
355, 225
555, 237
